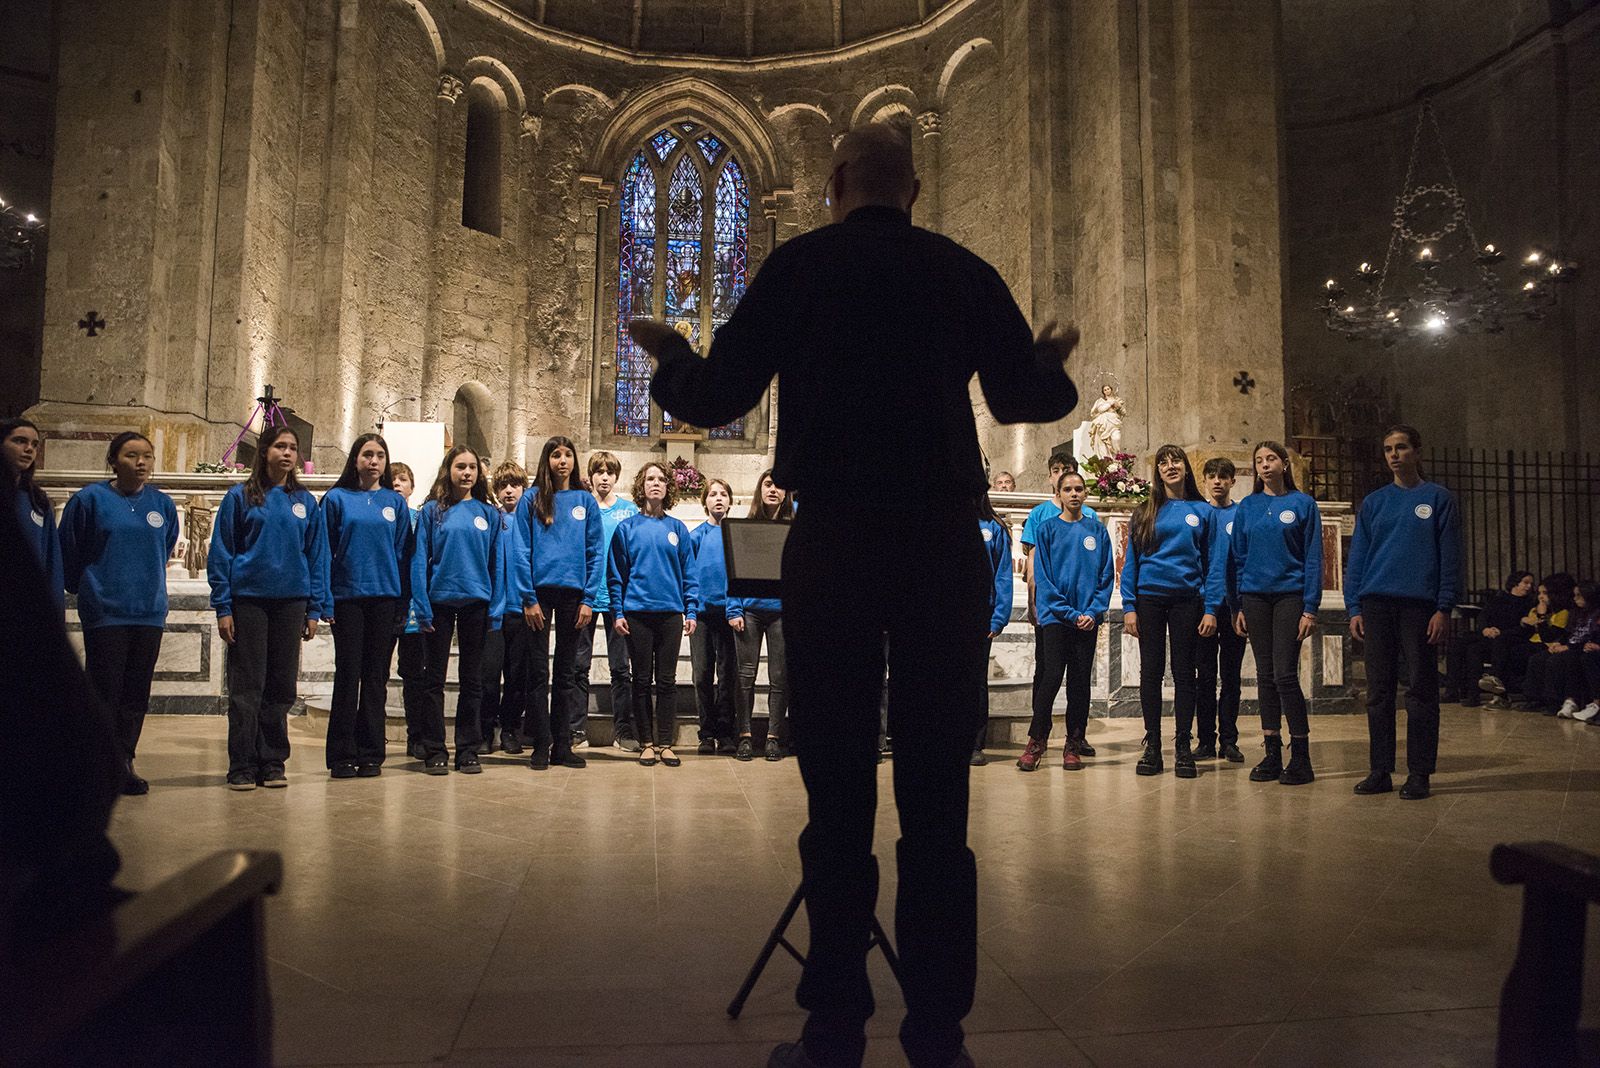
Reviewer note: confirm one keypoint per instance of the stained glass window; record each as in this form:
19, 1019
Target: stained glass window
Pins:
683, 256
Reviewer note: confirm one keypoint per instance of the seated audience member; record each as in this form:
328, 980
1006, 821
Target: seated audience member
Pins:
1498, 642
1548, 625
1565, 685
1005, 482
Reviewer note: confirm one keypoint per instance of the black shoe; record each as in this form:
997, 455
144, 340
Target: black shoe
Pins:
1230, 753
343, 770
1415, 788
1082, 747
774, 753
437, 764
486, 746
274, 778
540, 760
510, 743
1205, 751
467, 764
1150, 760
728, 745
1183, 760
746, 750
569, 760
242, 780
368, 771
1271, 765
132, 785
707, 747
580, 740
1298, 771
1376, 782
978, 759
416, 749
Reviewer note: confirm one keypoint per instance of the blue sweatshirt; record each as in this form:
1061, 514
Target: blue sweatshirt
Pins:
1072, 571
1407, 544
369, 542
1181, 562
652, 567
114, 553
1223, 531
405, 578
997, 542
278, 548
621, 508
1276, 548
710, 565
455, 561
1042, 513
512, 550
568, 554
38, 527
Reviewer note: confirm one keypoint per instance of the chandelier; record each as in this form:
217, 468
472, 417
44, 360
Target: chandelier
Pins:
19, 232
1436, 281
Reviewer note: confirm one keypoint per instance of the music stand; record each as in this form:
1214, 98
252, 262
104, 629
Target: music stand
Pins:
778, 938
271, 412
753, 552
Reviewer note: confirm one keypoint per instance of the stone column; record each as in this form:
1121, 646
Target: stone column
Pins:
932, 201
446, 125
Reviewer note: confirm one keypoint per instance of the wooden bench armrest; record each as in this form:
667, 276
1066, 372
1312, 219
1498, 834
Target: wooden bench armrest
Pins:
1549, 866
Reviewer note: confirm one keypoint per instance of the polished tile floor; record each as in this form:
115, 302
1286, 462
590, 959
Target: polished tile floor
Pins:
605, 916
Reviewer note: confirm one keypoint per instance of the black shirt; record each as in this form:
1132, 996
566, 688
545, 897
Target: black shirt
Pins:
875, 329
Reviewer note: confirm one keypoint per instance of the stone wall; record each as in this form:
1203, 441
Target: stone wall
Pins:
27, 90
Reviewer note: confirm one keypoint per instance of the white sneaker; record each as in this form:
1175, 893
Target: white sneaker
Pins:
1588, 712
1490, 684
1568, 707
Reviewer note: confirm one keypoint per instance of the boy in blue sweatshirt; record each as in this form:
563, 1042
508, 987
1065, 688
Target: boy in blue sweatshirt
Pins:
604, 471
1220, 656
505, 652
1401, 584
711, 647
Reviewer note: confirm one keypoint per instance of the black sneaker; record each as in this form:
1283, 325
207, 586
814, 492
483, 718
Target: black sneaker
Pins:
1415, 788
1271, 765
1082, 747
1230, 753
468, 764
707, 747
486, 746
1205, 751
627, 743
132, 784
727, 745
274, 778
978, 759
774, 753
368, 771
242, 780
1376, 782
1150, 760
437, 764
746, 750
570, 760
510, 743
1183, 760
343, 770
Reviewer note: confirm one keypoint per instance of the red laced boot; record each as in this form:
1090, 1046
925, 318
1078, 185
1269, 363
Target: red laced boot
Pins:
1029, 760
1070, 760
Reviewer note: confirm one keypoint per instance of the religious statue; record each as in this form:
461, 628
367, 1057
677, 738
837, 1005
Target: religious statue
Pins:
1101, 433
197, 534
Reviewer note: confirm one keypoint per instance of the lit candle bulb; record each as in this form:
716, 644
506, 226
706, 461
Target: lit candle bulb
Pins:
1426, 254
1489, 249
1365, 268
1533, 257
32, 218
1330, 284
1528, 287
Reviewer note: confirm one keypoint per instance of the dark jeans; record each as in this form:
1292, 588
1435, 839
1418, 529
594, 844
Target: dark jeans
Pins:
1539, 684
121, 664
1061, 649
1396, 627
759, 624
263, 673
621, 676
1509, 659
1590, 661
553, 712
715, 666
654, 639
505, 677
363, 648
935, 632
1273, 620
982, 737
1468, 654
1222, 654
470, 623
1568, 679
1164, 617
413, 667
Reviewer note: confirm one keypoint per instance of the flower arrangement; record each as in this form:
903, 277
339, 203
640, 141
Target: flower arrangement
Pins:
687, 477
1112, 476
206, 467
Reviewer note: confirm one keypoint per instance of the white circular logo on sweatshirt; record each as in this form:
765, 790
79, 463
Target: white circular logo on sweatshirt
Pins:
1229, 528
480, 522
1424, 511
988, 535
1089, 542
155, 519
579, 512
388, 513
1192, 519
672, 537
1286, 517
299, 510
38, 520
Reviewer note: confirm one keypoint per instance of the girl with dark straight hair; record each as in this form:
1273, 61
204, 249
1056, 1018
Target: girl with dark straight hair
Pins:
754, 619
21, 445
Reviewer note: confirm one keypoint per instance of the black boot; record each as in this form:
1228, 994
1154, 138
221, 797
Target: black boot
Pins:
1298, 773
1271, 765
1150, 759
1183, 759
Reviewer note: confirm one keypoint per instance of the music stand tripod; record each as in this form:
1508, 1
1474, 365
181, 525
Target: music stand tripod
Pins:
777, 938
271, 412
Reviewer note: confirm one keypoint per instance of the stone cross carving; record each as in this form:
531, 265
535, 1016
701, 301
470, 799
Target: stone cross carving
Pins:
1244, 382
91, 322
450, 88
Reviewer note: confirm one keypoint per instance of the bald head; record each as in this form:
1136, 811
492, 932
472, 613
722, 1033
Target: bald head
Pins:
872, 167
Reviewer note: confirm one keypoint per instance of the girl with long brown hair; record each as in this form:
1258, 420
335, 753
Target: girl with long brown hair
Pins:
21, 445
753, 619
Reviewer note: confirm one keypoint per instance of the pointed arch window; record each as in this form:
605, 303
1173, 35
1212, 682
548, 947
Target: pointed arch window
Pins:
683, 256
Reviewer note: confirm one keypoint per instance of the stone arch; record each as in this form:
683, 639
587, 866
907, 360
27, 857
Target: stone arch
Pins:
492, 69
959, 56
691, 98
474, 419
430, 27
880, 98
797, 107
582, 90
895, 115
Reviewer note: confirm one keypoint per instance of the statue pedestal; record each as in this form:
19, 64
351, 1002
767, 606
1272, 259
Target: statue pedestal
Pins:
682, 444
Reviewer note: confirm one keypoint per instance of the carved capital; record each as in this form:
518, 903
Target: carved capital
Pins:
531, 125
930, 123
450, 87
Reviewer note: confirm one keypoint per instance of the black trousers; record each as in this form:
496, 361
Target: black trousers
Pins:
1164, 619
715, 668
263, 677
1274, 621
1539, 684
363, 649
553, 712
654, 639
505, 677
1567, 678
1061, 649
982, 737
1219, 656
759, 624
413, 666
621, 674
1396, 627
935, 632
469, 622
121, 664
1590, 662
1468, 653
